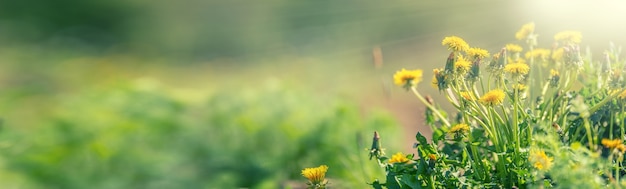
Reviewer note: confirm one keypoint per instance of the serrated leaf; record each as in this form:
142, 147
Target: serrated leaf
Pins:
421, 139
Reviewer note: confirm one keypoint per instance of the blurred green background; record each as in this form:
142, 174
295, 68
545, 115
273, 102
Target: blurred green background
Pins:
233, 93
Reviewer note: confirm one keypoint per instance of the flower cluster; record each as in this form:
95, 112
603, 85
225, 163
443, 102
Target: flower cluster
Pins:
516, 115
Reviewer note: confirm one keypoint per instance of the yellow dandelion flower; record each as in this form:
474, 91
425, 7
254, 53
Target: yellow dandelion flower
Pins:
520, 87
398, 158
517, 68
568, 36
538, 54
540, 160
407, 77
477, 53
459, 128
316, 174
462, 64
611, 144
467, 95
554, 73
526, 30
432, 157
622, 95
557, 55
492, 98
455, 43
513, 48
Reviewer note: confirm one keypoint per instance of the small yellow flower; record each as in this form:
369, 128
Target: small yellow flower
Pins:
459, 128
467, 95
517, 68
477, 53
554, 73
398, 158
462, 64
432, 157
407, 77
557, 55
611, 144
540, 160
316, 174
519, 87
513, 48
526, 30
455, 43
568, 36
492, 98
538, 54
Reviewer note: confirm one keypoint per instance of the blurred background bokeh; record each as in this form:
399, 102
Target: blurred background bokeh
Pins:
234, 93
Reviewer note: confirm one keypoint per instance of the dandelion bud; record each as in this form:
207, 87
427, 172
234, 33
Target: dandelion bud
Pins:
557, 128
475, 71
498, 61
450, 64
429, 100
572, 56
503, 59
376, 150
441, 79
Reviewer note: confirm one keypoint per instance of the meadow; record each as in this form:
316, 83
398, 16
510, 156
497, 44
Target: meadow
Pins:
235, 94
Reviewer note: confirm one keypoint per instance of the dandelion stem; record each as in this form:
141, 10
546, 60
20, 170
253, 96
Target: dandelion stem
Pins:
437, 113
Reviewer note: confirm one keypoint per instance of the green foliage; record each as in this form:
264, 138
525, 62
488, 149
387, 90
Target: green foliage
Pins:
133, 136
518, 125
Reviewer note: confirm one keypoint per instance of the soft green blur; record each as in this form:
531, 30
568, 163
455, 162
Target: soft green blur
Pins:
233, 93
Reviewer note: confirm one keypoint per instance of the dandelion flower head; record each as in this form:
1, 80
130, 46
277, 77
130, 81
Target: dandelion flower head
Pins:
462, 64
520, 87
316, 174
455, 43
492, 98
611, 144
459, 128
526, 30
554, 73
398, 158
517, 68
568, 36
466, 95
513, 48
432, 157
477, 53
407, 77
540, 160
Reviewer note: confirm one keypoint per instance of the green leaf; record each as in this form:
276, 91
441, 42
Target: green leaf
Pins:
376, 185
421, 139
392, 182
411, 181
